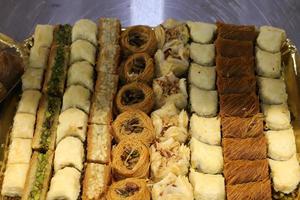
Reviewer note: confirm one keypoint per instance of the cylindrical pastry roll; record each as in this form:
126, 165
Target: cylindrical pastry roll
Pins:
133, 125
138, 39
245, 84
139, 67
130, 158
129, 189
109, 31
233, 48
135, 95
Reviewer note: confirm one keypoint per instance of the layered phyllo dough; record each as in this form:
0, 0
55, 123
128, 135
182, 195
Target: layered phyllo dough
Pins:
81, 73
277, 117
203, 102
207, 130
23, 126
285, 174
72, 122
19, 151
169, 122
32, 79
14, 180
170, 89
207, 186
29, 102
202, 77
108, 59
69, 152
172, 187
169, 156
109, 31
206, 158
202, 54
270, 38
83, 50
272, 91
85, 29
65, 184
43, 35
38, 57
77, 96
202, 32
268, 64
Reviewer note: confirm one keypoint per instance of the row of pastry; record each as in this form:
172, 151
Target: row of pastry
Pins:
283, 162
22, 131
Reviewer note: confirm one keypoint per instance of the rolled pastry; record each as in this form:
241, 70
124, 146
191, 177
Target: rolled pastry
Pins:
281, 144
268, 64
82, 50
81, 73
234, 85
43, 35
19, 151
236, 32
76, 96
202, 32
169, 156
38, 57
270, 38
207, 130
32, 79
29, 102
169, 122
130, 159
204, 103
130, 188
202, 54
69, 152
85, 29
233, 48
207, 186
272, 91
172, 187
277, 117
72, 122
65, 184
202, 77
109, 31
206, 158
133, 125
23, 126
108, 59
99, 143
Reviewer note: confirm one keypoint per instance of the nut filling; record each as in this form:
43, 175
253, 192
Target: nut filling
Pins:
128, 190
138, 66
132, 97
130, 157
169, 87
132, 126
136, 39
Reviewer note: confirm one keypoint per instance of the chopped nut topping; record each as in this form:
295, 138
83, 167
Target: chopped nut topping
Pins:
128, 190
132, 126
130, 157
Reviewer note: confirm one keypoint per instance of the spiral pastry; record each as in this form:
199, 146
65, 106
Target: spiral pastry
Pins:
138, 39
135, 95
130, 158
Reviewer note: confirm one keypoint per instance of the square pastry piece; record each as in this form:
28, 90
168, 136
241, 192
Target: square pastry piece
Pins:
19, 151
85, 29
29, 102
281, 144
38, 57
81, 73
204, 103
206, 129
270, 38
14, 180
202, 77
207, 186
202, 32
23, 126
272, 91
76, 96
32, 79
203, 54
277, 117
83, 50
268, 64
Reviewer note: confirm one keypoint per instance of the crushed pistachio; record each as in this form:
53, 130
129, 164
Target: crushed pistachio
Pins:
132, 126
130, 157
128, 190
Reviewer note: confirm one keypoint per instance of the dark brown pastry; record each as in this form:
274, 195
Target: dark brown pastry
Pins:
233, 48
245, 171
258, 190
236, 127
239, 105
244, 149
236, 32
236, 85
235, 67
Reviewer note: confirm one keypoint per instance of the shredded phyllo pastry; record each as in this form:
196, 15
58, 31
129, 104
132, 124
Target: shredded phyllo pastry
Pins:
170, 122
170, 89
169, 156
